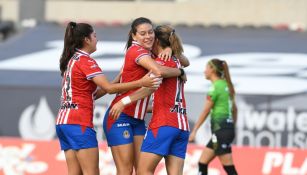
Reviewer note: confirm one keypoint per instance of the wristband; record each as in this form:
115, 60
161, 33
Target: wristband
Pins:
126, 100
181, 72
152, 75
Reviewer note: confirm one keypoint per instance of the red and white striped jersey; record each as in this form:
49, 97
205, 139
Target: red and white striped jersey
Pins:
169, 107
133, 71
77, 99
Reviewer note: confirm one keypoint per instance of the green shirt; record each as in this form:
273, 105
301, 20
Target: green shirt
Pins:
221, 112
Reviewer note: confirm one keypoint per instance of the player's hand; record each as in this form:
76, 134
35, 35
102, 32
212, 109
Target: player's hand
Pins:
151, 81
166, 54
184, 78
192, 136
116, 110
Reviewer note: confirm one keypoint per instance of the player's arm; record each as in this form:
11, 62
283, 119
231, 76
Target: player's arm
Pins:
100, 92
166, 55
118, 107
184, 61
117, 78
203, 116
110, 88
148, 63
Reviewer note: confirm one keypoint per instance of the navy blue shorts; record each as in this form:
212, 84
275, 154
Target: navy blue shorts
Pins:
123, 129
75, 138
168, 141
224, 136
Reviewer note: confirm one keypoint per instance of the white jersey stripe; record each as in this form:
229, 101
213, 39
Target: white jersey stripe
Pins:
181, 120
62, 116
140, 56
179, 123
144, 106
136, 112
62, 111
90, 76
63, 86
59, 116
63, 96
177, 88
176, 103
66, 116
181, 105
70, 89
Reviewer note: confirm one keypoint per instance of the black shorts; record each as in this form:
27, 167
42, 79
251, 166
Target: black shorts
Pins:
225, 137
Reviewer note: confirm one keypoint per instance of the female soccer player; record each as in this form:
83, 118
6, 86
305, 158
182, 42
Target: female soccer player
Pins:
222, 108
168, 131
126, 133
81, 76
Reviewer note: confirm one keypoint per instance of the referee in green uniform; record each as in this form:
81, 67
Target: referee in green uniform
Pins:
220, 104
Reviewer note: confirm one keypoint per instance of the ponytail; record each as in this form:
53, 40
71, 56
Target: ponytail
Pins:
175, 43
74, 37
168, 38
228, 79
231, 91
222, 71
69, 46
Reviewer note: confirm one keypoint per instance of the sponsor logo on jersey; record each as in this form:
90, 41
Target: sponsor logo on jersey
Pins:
179, 109
69, 106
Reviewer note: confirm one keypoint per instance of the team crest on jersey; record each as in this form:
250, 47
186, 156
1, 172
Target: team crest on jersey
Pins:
75, 57
126, 134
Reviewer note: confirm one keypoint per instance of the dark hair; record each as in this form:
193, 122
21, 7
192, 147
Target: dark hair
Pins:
133, 30
168, 38
74, 37
222, 71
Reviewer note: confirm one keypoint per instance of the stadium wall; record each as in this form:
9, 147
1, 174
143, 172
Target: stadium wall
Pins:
206, 12
9, 10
